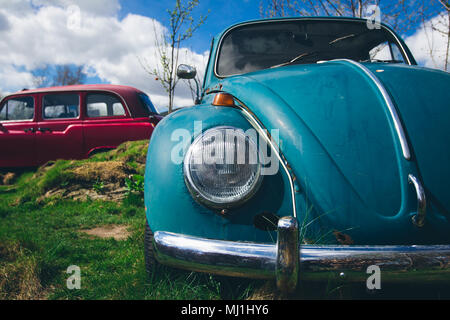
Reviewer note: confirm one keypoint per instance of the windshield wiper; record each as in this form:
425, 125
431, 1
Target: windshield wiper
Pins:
351, 35
301, 56
342, 38
382, 61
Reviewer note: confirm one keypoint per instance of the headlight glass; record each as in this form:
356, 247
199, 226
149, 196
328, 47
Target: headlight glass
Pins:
222, 167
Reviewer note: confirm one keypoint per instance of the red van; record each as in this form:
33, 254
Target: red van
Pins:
71, 122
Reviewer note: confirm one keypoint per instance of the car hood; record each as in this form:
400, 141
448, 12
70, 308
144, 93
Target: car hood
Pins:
340, 140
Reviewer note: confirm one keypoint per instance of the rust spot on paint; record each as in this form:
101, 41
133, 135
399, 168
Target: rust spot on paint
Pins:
342, 238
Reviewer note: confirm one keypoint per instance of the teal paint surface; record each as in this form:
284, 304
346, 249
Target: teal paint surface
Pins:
170, 206
339, 139
422, 97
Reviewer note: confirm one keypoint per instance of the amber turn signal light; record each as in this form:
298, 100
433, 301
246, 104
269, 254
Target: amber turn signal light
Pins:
223, 99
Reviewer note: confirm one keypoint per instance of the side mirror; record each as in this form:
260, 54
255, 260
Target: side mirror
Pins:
186, 72
2, 128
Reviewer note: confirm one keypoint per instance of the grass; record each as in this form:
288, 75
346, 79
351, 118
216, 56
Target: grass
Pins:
40, 237
40, 243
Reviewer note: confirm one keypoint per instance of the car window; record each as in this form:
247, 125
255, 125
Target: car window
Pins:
264, 45
396, 53
103, 105
147, 103
380, 52
16, 109
61, 106
386, 51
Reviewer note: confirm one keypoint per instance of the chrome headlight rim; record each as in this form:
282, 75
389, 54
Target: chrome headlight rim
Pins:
203, 199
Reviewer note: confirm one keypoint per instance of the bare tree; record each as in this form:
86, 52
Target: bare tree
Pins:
41, 77
67, 75
441, 25
181, 27
400, 14
63, 75
435, 29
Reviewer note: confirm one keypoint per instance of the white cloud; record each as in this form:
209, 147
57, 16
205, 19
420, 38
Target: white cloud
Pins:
427, 39
11, 77
35, 33
96, 7
4, 23
16, 6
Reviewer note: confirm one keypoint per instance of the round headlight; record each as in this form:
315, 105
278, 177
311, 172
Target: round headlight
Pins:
222, 167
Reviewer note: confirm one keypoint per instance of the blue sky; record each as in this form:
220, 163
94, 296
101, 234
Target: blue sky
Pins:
222, 14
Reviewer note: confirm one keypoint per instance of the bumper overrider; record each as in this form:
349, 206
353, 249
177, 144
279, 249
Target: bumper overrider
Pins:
287, 261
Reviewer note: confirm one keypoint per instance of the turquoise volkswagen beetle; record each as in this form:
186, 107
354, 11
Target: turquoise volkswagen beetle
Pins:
317, 147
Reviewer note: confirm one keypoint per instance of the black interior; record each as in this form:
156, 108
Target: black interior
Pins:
263, 45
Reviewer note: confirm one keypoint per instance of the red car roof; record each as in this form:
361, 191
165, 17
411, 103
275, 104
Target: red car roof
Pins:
83, 87
129, 94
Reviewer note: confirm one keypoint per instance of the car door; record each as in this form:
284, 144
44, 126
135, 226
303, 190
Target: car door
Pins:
107, 122
59, 132
17, 131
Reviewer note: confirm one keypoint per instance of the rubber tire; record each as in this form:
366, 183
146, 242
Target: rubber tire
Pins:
149, 254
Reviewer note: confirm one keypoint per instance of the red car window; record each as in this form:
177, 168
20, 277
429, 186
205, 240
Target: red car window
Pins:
61, 106
103, 105
17, 109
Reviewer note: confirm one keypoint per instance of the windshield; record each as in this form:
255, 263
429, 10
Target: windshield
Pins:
274, 44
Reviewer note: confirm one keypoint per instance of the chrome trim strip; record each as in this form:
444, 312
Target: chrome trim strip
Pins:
254, 260
392, 110
399, 43
257, 124
419, 218
14, 121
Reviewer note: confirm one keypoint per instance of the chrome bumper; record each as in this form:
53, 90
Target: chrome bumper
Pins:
285, 261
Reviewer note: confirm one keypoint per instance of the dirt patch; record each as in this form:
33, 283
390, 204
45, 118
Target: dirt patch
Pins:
80, 185
118, 232
110, 192
102, 177
106, 171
